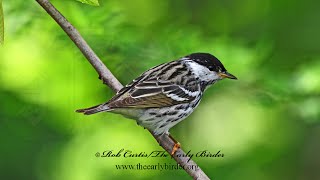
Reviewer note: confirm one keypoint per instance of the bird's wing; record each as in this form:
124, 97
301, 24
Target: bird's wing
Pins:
153, 93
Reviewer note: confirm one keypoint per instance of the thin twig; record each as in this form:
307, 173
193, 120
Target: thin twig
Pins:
109, 79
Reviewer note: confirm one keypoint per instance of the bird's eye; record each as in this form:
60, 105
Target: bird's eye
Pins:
211, 68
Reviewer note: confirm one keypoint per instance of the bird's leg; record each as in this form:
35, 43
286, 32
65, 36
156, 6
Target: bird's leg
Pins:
158, 137
176, 143
176, 146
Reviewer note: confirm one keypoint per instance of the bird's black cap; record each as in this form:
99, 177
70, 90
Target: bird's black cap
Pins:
208, 60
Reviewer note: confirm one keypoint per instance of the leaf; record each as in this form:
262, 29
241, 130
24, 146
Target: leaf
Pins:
1, 24
90, 2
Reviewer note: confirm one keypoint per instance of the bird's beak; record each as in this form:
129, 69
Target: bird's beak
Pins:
227, 75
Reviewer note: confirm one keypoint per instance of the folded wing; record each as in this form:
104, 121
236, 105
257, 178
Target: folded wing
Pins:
153, 93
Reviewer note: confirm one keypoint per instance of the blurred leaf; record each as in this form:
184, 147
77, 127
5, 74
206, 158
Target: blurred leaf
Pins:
1, 24
90, 2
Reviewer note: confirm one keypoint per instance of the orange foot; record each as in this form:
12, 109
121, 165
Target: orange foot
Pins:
175, 148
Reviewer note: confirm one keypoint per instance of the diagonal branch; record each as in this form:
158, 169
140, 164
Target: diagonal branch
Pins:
109, 79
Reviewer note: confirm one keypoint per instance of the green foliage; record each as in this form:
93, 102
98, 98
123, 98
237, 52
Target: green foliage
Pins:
90, 2
1, 24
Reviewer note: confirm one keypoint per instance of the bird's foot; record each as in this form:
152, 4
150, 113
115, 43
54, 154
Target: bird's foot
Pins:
176, 146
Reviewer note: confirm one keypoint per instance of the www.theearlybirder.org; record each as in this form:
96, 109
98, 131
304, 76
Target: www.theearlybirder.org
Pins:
160, 167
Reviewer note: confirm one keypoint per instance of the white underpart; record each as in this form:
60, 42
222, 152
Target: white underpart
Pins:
203, 73
150, 121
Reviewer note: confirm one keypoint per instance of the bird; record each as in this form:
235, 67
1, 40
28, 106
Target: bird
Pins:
166, 94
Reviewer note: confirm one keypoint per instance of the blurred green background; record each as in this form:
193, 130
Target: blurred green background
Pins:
266, 123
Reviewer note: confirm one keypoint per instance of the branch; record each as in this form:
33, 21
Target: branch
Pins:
166, 142
109, 79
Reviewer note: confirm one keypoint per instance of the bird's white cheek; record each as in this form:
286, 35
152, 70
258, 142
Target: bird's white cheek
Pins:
209, 76
203, 73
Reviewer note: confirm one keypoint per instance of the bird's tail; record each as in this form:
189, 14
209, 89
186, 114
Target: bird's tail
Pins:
94, 109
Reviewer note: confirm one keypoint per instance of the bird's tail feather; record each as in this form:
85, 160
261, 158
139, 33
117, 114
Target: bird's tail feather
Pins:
94, 109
